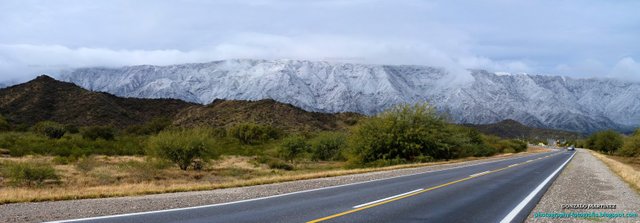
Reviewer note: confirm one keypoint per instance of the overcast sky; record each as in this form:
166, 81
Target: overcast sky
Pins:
576, 38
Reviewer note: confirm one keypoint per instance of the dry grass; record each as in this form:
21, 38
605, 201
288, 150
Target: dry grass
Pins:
128, 176
627, 168
537, 149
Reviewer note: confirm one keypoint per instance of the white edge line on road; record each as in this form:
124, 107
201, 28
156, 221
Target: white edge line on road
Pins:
388, 198
277, 195
533, 193
481, 173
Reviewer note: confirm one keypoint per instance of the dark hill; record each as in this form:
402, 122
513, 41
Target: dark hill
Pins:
45, 98
513, 129
223, 113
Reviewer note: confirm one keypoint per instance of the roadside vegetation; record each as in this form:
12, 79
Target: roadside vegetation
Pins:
50, 161
613, 143
621, 153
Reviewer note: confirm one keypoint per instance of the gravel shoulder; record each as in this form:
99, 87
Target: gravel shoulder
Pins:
60, 210
586, 180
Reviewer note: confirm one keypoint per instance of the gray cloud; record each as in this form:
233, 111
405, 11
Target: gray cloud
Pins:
575, 37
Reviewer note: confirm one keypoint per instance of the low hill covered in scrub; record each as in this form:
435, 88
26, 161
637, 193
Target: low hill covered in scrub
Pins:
515, 130
46, 99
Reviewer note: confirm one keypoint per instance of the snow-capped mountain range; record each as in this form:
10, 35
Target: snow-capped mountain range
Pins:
583, 105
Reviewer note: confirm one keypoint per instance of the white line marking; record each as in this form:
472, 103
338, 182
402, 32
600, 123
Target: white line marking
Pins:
388, 198
478, 174
512, 165
277, 195
533, 193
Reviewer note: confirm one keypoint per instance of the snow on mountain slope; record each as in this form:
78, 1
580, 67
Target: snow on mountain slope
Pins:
582, 105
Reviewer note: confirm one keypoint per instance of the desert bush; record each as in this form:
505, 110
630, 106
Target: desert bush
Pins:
63, 160
519, 145
413, 133
605, 141
4, 124
401, 133
30, 174
152, 127
274, 163
293, 147
73, 129
218, 132
484, 150
251, 133
458, 142
182, 147
631, 146
21, 127
99, 132
25, 143
328, 146
479, 146
279, 164
505, 145
49, 129
86, 164
581, 143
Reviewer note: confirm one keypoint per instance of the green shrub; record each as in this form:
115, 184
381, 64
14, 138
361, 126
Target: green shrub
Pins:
30, 174
505, 145
21, 127
152, 127
20, 144
292, 147
394, 161
182, 147
414, 133
479, 144
631, 146
605, 141
519, 145
63, 160
49, 129
582, 143
99, 132
484, 150
4, 124
402, 133
328, 146
73, 129
251, 133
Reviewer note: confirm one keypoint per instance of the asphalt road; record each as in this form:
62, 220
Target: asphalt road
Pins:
505, 190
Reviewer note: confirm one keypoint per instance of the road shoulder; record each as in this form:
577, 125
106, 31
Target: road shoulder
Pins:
586, 180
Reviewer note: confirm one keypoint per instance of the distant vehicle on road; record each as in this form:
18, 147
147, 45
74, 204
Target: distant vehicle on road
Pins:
571, 148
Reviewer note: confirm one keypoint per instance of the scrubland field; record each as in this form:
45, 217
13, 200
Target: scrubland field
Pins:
52, 161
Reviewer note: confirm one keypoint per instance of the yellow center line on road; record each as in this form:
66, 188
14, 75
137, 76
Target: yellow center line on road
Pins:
421, 191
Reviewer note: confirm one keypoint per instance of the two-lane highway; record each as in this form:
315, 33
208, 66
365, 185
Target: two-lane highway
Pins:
504, 190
